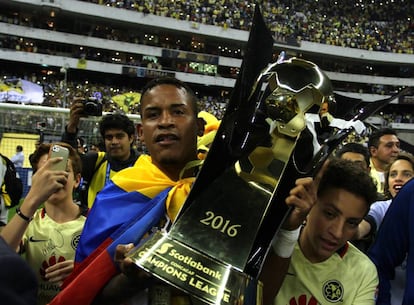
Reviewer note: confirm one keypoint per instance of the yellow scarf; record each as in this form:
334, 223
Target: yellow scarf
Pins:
146, 178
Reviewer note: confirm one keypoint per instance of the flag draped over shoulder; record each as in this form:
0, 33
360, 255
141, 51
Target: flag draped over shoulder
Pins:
130, 205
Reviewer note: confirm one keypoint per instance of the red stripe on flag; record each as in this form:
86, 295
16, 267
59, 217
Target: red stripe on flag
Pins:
87, 279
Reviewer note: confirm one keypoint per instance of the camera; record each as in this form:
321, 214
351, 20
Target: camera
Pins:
55, 148
92, 106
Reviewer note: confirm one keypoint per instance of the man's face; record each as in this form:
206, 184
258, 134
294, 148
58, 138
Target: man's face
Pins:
387, 150
332, 221
118, 144
169, 126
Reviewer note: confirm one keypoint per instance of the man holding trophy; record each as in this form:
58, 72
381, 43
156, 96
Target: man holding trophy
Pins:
170, 129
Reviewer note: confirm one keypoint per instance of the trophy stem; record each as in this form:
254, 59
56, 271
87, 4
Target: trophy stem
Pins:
195, 273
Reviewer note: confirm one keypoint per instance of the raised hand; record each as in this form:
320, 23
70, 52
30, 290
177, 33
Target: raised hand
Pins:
301, 198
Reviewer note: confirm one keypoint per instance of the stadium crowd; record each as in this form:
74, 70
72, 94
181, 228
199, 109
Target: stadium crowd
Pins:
371, 25
365, 26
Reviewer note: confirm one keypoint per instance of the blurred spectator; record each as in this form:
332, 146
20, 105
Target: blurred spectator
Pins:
18, 157
384, 146
82, 147
97, 147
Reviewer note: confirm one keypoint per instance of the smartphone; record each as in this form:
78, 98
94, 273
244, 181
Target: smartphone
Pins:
59, 151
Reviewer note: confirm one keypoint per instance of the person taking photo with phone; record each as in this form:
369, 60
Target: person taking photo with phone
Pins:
48, 236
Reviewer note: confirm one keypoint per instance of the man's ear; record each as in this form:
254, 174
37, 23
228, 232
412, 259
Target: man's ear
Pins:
140, 132
372, 150
200, 126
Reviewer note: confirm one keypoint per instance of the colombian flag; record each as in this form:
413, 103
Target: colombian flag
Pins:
127, 208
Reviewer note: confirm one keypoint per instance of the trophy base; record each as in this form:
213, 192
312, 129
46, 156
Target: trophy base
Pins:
197, 274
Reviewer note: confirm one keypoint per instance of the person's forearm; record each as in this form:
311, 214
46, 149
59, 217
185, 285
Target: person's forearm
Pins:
13, 232
364, 228
70, 137
277, 263
72, 127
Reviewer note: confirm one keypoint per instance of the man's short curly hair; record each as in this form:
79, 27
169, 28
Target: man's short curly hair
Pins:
116, 121
170, 81
349, 176
374, 137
